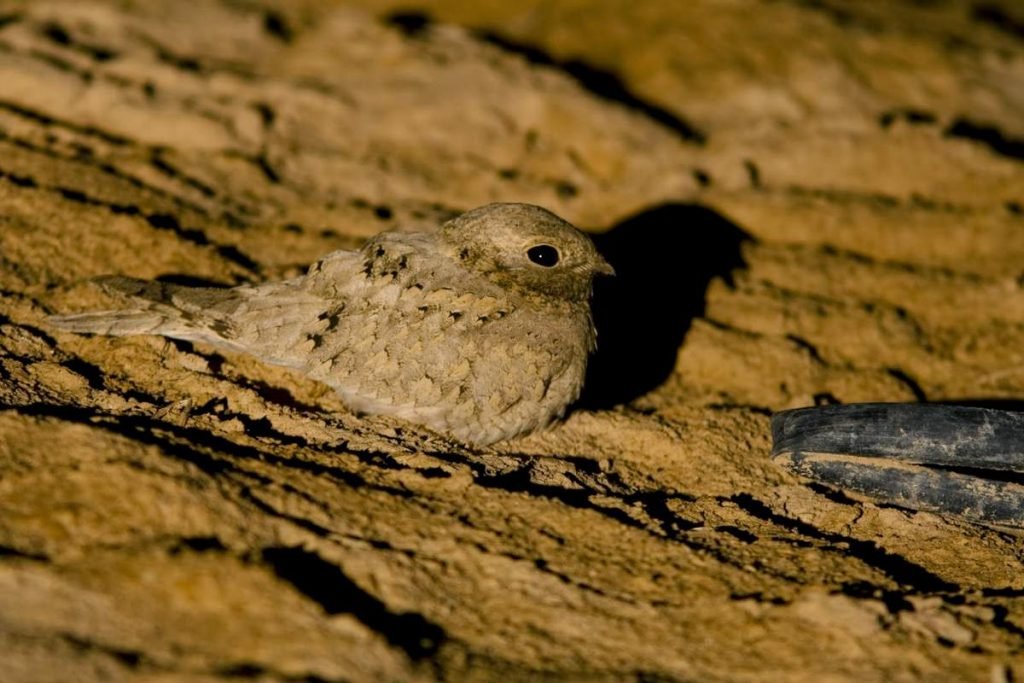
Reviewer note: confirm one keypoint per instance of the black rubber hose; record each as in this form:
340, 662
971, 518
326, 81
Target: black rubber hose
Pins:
942, 458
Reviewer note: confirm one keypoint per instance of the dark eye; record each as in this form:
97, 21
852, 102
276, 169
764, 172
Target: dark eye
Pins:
543, 255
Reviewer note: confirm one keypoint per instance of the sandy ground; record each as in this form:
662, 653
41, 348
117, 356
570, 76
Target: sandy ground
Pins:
806, 202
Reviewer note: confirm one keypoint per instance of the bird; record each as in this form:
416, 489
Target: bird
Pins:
479, 330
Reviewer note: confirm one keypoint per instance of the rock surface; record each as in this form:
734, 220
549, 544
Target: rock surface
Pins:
806, 202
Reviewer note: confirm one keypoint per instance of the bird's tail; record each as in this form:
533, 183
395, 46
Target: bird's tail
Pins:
190, 313
117, 323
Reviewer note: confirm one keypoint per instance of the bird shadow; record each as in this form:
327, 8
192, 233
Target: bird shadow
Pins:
664, 259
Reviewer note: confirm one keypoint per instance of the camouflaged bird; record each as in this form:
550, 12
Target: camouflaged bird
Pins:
480, 330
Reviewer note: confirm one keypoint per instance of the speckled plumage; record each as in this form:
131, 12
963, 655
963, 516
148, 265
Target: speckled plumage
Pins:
458, 329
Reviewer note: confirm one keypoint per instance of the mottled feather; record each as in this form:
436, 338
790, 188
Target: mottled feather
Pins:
469, 330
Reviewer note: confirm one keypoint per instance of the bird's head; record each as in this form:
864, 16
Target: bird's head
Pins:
525, 247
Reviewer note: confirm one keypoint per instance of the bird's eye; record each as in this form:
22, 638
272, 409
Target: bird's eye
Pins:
543, 255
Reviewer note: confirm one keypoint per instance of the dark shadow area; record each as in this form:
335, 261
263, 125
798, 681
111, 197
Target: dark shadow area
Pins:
997, 17
899, 569
916, 117
601, 82
664, 259
277, 25
990, 136
327, 584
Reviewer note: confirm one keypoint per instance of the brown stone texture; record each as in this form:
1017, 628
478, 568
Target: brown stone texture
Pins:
806, 201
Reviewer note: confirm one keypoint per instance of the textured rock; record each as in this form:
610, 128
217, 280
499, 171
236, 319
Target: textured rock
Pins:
826, 197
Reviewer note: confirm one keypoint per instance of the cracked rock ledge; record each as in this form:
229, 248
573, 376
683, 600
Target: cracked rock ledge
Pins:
806, 202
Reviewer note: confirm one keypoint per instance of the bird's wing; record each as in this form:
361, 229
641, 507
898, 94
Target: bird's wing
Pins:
403, 322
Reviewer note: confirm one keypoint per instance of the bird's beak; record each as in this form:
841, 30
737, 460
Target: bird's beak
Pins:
603, 267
